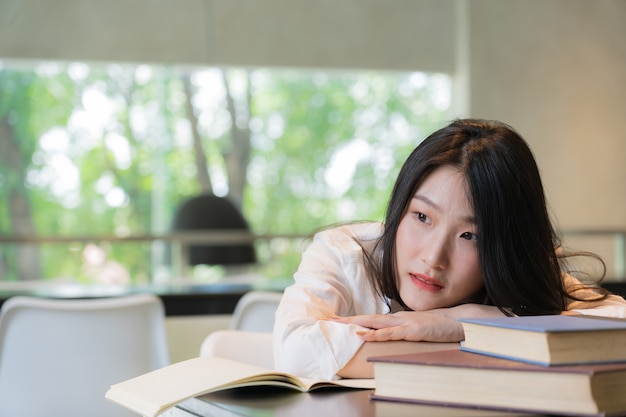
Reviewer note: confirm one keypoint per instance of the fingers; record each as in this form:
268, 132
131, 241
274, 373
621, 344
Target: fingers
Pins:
410, 326
380, 327
382, 335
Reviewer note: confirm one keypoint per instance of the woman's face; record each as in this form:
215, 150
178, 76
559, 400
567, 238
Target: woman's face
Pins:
436, 244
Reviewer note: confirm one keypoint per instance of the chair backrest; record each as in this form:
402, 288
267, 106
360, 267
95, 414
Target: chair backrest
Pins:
249, 338
240, 345
59, 357
255, 311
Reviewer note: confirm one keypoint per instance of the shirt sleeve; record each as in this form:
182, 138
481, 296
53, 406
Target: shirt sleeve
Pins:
329, 281
611, 306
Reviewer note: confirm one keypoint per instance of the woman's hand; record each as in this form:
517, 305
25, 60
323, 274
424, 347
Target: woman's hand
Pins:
439, 325
416, 326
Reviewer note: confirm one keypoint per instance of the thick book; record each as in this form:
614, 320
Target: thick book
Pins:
152, 393
465, 379
548, 340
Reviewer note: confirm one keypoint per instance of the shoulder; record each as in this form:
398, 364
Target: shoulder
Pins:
360, 231
592, 300
357, 235
345, 243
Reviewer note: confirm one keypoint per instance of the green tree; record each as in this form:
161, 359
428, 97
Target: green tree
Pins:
30, 104
327, 147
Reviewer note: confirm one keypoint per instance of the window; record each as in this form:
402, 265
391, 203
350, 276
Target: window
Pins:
96, 159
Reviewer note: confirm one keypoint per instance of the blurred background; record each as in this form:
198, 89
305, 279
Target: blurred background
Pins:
138, 136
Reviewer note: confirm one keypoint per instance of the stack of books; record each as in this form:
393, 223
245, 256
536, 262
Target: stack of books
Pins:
558, 365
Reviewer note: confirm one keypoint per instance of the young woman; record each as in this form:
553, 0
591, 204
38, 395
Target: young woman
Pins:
466, 234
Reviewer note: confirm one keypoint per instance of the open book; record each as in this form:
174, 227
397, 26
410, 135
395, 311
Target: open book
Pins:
154, 392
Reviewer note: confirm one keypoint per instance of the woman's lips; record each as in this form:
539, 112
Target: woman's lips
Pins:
425, 282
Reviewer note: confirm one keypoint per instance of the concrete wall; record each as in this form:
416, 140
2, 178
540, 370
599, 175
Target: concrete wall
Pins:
390, 34
556, 70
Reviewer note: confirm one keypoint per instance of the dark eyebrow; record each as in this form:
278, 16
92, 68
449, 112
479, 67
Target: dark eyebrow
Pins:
431, 203
427, 200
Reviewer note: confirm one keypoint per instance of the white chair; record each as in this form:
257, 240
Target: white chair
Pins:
240, 345
255, 311
59, 357
249, 338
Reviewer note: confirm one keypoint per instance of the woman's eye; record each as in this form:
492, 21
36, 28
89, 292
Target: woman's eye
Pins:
469, 236
422, 217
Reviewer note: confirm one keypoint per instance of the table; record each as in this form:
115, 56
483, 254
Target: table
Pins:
269, 402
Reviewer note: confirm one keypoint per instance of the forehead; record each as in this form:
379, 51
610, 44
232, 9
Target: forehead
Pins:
446, 190
444, 175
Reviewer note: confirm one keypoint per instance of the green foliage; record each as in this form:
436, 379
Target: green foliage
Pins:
108, 151
311, 128
29, 104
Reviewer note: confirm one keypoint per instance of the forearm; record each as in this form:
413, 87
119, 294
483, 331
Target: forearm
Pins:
359, 367
469, 311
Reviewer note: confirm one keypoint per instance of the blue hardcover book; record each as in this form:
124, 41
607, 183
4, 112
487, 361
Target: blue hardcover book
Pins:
548, 340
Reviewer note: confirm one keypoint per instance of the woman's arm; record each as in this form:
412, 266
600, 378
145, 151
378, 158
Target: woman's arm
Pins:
330, 281
408, 332
439, 325
611, 305
360, 367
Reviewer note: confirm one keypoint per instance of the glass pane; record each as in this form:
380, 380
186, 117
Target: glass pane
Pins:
97, 159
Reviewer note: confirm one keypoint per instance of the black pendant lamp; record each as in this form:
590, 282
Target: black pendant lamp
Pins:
209, 212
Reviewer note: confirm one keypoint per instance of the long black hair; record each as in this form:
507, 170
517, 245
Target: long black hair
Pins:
517, 243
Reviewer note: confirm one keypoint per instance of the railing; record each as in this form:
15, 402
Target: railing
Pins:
174, 275
221, 237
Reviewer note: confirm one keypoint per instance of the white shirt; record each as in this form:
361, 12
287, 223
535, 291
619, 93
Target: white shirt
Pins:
332, 280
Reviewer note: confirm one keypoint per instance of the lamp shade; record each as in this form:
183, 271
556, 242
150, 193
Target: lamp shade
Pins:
209, 212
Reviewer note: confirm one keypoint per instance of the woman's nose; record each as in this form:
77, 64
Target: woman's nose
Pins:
435, 252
